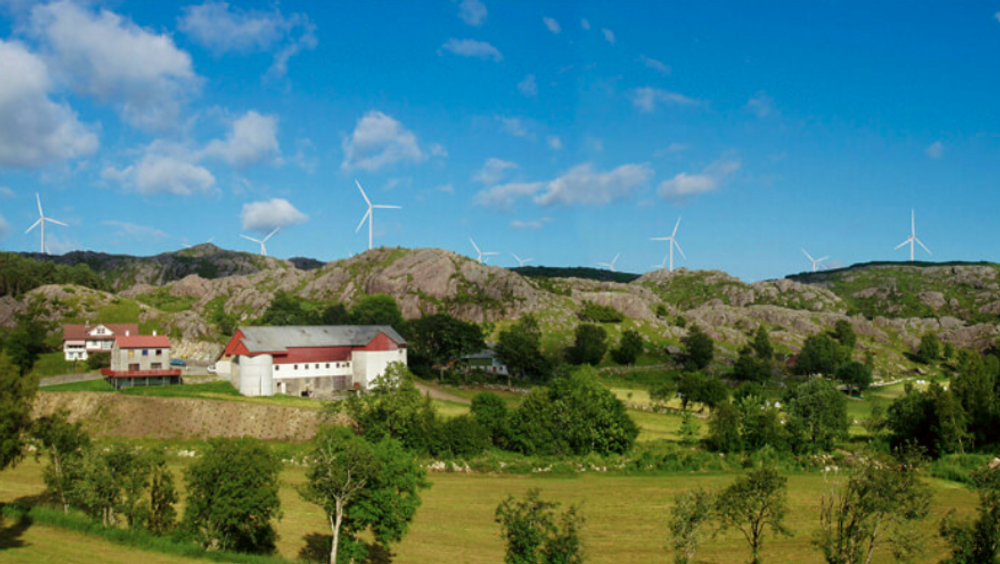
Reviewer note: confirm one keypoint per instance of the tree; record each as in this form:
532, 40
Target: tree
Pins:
688, 431
663, 392
589, 346
816, 416
724, 428
977, 542
490, 410
377, 309
844, 333
534, 533
758, 500
690, 523
98, 491
16, 395
629, 348
750, 368
934, 420
64, 443
233, 496
820, 354
856, 376
974, 386
519, 348
929, 350
335, 314
760, 424
161, 515
287, 309
694, 387
762, 344
27, 341
878, 505
98, 360
440, 338
700, 348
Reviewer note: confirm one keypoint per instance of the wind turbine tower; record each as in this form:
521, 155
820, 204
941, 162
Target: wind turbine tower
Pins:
481, 254
673, 243
263, 249
521, 261
913, 237
815, 262
369, 215
610, 265
42, 220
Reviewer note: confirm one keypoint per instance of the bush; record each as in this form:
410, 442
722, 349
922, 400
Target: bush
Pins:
700, 348
629, 349
98, 360
600, 313
589, 346
461, 436
490, 411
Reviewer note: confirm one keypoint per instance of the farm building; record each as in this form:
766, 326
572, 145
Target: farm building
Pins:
309, 360
140, 360
81, 340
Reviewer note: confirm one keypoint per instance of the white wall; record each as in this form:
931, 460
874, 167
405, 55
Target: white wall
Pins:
310, 370
368, 365
255, 375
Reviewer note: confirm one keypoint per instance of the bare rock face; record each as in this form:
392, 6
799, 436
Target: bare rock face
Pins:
932, 299
192, 286
10, 308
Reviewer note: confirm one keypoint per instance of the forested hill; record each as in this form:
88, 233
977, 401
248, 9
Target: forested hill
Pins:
583, 272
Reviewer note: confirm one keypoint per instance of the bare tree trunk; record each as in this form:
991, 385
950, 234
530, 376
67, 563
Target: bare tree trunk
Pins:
335, 526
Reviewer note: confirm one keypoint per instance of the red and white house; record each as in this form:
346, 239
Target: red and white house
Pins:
309, 360
81, 340
141, 360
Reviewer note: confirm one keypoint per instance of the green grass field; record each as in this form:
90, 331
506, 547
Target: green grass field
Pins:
215, 390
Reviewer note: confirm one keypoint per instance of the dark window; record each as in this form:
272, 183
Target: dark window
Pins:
159, 352
145, 352
278, 367
296, 367
317, 366
328, 365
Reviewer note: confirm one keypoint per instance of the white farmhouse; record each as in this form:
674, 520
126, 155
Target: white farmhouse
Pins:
80, 340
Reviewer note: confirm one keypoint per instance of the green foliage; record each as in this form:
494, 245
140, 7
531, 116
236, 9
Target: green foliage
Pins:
335, 314
978, 541
762, 344
700, 348
662, 392
440, 338
751, 368
490, 411
661, 311
63, 443
760, 424
163, 300
98, 360
933, 420
461, 436
821, 354
535, 533
233, 496
216, 313
16, 394
690, 524
542, 272
695, 387
757, 501
974, 386
19, 275
843, 332
816, 416
589, 345
377, 309
856, 376
598, 313
287, 309
929, 350
519, 348
629, 348
724, 428
26, 342
688, 431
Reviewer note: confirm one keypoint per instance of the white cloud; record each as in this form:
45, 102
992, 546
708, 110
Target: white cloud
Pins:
581, 185
552, 24
555, 143
126, 229
609, 36
253, 138
529, 224
439, 150
472, 12
34, 130
6, 192
647, 98
494, 171
265, 216
164, 168
378, 141
935, 150
472, 48
997, 16
658, 66
4, 227
516, 127
528, 87
141, 73
670, 149
584, 23
761, 105
684, 185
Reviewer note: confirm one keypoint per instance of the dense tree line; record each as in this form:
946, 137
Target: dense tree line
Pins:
19, 275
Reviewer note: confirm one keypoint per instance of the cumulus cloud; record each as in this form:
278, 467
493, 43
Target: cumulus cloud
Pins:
494, 171
552, 24
935, 150
472, 48
585, 23
139, 72
655, 65
439, 150
528, 87
648, 98
34, 130
164, 168
378, 141
581, 185
555, 143
472, 12
265, 216
609, 36
761, 105
685, 186
252, 139
515, 126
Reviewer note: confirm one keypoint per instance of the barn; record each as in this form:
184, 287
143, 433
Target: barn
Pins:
309, 360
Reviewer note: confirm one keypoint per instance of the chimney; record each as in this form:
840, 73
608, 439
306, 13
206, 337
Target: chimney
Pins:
154, 332
127, 332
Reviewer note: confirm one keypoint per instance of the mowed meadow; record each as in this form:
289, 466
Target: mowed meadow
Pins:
625, 519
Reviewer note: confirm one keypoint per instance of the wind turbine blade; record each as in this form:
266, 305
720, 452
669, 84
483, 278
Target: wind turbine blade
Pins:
271, 234
808, 256
528, 259
919, 242
681, 251
913, 223
39, 199
363, 218
250, 238
363, 195
901, 245
676, 225
822, 259
388, 207
34, 225
488, 253
475, 246
659, 238
616, 258
56, 222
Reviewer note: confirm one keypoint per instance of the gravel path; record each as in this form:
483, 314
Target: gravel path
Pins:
441, 395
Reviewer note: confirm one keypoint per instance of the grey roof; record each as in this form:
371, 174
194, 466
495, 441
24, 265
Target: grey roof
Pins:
273, 339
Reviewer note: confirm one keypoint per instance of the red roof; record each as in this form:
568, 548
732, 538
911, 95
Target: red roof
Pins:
143, 342
82, 332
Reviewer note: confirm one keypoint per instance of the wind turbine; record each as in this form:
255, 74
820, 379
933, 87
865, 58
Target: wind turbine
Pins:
42, 220
369, 215
673, 243
610, 265
913, 237
481, 253
662, 265
814, 261
521, 261
263, 249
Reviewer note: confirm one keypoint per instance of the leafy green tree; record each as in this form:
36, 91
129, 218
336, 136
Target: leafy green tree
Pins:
160, 513
843, 332
535, 533
974, 386
64, 444
520, 349
629, 348
978, 541
750, 368
700, 348
724, 428
688, 431
856, 376
461, 436
440, 338
16, 395
233, 496
26, 342
377, 309
695, 387
755, 502
929, 350
598, 313
821, 354
762, 344
335, 314
98, 360
491, 411
287, 309
816, 416
934, 420
948, 352
661, 393
760, 424
106, 487
589, 345
877, 506
690, 524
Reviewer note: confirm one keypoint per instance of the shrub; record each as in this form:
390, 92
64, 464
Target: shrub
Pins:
600, 313
98, 360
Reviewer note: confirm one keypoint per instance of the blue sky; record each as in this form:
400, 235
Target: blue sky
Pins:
565, 131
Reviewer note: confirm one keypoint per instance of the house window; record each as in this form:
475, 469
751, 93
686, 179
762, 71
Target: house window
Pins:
328, 365
317, 366
155, 366
131, 352
277, 367
296, 367
159, 352
145, 352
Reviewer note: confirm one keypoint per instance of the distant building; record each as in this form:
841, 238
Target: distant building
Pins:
141, 360
81, 340
309, 360
486, 360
